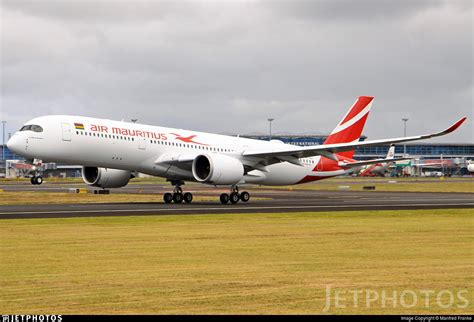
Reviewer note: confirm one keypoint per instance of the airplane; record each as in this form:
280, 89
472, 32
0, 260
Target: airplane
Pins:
379, 169
113, 152
470, 166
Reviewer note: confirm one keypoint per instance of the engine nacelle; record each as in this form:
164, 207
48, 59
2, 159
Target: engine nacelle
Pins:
105, 178
217, 169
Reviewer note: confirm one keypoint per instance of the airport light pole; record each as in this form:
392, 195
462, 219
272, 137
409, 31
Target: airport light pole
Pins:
3, 140
270, 121
442, 164
405, 120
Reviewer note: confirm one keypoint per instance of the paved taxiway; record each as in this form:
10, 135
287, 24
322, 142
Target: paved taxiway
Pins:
275, 200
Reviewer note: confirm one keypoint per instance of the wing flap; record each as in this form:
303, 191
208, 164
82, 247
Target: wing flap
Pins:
175, 158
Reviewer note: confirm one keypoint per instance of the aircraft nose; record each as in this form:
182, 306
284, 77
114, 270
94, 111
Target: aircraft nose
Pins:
13, 144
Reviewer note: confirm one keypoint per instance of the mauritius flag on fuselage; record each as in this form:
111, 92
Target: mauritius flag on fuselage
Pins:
79, 126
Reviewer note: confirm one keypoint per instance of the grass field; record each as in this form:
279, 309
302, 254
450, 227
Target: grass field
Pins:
239, 263
144, 180
38, 198
464, 185
438, 185
467, 187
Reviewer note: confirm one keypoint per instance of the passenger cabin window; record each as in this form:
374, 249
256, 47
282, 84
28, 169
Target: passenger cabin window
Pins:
34, 128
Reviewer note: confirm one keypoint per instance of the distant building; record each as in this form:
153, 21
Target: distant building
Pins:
9, 155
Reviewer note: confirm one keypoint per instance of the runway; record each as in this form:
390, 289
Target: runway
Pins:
275, 201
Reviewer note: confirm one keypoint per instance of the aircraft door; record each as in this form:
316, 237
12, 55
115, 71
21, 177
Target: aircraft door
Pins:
320, 165
66, 131
142, 143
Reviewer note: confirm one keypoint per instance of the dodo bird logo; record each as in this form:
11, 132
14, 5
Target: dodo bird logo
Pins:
187, 139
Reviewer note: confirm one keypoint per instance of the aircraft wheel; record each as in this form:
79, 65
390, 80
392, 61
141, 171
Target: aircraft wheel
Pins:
224, 198
188, 197
33, 180
39, 180
245, 196
178, 197
234, 197
168, 197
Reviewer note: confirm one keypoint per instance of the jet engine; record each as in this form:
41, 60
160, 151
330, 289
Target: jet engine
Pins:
217, 169
105, 178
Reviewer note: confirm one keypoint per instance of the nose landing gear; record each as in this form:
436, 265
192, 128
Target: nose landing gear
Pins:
36, 180
37, 171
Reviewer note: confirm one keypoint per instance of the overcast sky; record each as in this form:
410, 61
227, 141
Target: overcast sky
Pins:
228, 66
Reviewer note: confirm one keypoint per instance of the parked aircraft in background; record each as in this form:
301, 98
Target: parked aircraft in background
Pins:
112, 152
470, 166
380, 169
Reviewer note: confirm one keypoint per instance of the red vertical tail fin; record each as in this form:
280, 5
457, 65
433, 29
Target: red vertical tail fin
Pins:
351, 126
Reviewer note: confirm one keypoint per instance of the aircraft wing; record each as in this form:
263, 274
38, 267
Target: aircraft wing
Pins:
368, 162
329, 150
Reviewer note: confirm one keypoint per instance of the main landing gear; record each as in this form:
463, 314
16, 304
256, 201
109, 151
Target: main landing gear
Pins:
177, 196
36, 180
234, 196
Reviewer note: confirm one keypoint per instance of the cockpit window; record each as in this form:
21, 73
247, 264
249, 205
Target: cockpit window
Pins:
34, 128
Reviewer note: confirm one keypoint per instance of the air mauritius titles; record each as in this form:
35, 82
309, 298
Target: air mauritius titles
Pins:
124, 131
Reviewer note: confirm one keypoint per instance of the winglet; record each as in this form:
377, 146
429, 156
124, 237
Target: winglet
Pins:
455, 126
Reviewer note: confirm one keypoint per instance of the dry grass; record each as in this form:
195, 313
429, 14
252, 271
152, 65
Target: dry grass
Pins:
465, 185
144, 180
33, 197
242, 263
39, 197
437, 185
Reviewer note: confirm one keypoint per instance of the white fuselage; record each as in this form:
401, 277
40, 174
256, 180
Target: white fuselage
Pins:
137, 147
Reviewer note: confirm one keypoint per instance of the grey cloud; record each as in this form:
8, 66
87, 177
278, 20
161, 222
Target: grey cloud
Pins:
97, 11
227, 67
350, 11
